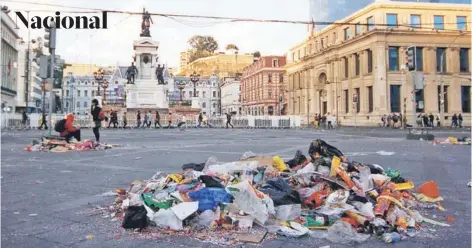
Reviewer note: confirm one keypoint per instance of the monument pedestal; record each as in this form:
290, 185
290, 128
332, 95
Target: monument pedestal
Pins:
146, 94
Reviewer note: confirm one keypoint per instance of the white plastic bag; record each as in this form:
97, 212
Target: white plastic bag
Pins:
343, 233
206, 218
248, 201
309, 168
229, 168
288, 212
167, 219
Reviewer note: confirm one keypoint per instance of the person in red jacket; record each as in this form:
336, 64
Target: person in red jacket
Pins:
69, 130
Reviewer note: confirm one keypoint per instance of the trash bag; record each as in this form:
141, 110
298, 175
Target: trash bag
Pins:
281, 192
135, 217
194, 166
298, 159
210, 182
167, 219
343, 233
323, 149
209, 198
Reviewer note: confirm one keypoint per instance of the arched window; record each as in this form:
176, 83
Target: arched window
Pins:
204, 105
78, 104
85, 105
78, 82
86, 82
93, 82
214, 105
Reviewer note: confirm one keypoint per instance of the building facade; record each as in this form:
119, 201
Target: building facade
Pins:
34, 88
262, 86
224, 65
231, 96
366, 61
207, 92
184, 60
9, 62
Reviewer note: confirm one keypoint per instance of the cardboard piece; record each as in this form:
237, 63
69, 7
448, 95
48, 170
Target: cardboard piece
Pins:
185, 209
251, 238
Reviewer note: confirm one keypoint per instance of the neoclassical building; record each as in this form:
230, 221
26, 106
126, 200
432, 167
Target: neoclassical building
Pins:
363, 57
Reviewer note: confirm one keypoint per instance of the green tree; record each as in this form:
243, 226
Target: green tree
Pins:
256, 54
202, 46
232, 47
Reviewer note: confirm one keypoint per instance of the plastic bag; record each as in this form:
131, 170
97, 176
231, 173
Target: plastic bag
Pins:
167, 219
248, 154
288, 212
281, 192
296, 231
229, 168
209, 198
210, 182
343, 233
135, 217
323, 149
206, 218
194, 166
252, 202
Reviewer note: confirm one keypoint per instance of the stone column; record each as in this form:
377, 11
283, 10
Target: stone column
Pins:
380, 81
453, 63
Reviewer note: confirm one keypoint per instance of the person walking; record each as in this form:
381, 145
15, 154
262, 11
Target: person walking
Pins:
158, 120
454, 121
169, 119
125, 120
460, 120
149, 117
24, 119
316, 121
431, 120
200, 120
228, 121
43, 122
97, 119
425, 120
438, 122
138, 119
145, 121
329, 119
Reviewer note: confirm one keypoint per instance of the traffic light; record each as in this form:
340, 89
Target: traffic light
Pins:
50, 37
411, 58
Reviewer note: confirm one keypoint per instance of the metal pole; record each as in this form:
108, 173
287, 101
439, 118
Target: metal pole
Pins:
28, 65
337, 114
413, 99
441, 102
51, 91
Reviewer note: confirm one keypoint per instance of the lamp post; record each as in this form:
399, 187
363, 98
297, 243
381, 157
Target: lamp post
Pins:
181, 86
99, 76
213, 79
194, 78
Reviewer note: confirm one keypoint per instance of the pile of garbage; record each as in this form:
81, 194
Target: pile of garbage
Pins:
60, 145
323, 195
453, 141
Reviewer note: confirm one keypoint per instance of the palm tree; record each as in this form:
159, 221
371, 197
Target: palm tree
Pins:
233, 48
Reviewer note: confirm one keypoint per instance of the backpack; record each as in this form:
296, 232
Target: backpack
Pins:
101, 115
395, 118
60, 126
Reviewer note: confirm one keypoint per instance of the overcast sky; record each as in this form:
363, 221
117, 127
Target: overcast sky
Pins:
108, 47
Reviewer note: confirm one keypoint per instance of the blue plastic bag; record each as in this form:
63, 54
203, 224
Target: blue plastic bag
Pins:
209, 198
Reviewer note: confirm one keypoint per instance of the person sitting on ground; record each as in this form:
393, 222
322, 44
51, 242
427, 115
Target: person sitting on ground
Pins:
66, 128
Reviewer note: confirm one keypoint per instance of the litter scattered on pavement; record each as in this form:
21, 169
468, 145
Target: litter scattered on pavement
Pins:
453, 141
323, 195
90, 236
58, 145
32, 215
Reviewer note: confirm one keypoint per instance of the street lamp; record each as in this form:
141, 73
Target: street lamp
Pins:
181, 86
213, 79
99, 77
194, 78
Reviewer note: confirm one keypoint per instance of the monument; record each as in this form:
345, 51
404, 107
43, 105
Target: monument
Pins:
146, 87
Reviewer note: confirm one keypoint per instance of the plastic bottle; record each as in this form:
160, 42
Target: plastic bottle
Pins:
391, 237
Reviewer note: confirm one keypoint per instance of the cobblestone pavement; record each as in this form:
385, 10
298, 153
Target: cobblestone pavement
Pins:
45, 195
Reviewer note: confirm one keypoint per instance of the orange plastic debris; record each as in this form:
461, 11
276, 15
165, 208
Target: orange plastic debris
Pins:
450, 219
429, 189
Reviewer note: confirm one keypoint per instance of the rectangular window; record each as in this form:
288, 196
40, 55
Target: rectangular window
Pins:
85, 93
415, 21
358, 104
465, 99
322, 42
461, 23
346, 34
358, 64
392, 20
419, 59
214, 93
269, 77
441, 64
395, 98
419, 101
393, 60
67, 92
190, 94
369, 61
370, 93
275, 63
204, 94
198, 93
93, 93
293, 56
446, 102
358, 29
299, 55
439, 22
335, 37
281, 78
346, 101
464, 59
78, 93
370, 23
346, 67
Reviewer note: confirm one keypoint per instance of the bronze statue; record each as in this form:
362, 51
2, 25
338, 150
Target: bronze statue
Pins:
146, 24
160, 74
131, 73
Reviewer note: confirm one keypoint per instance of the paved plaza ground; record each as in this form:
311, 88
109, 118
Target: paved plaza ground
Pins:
58, 188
